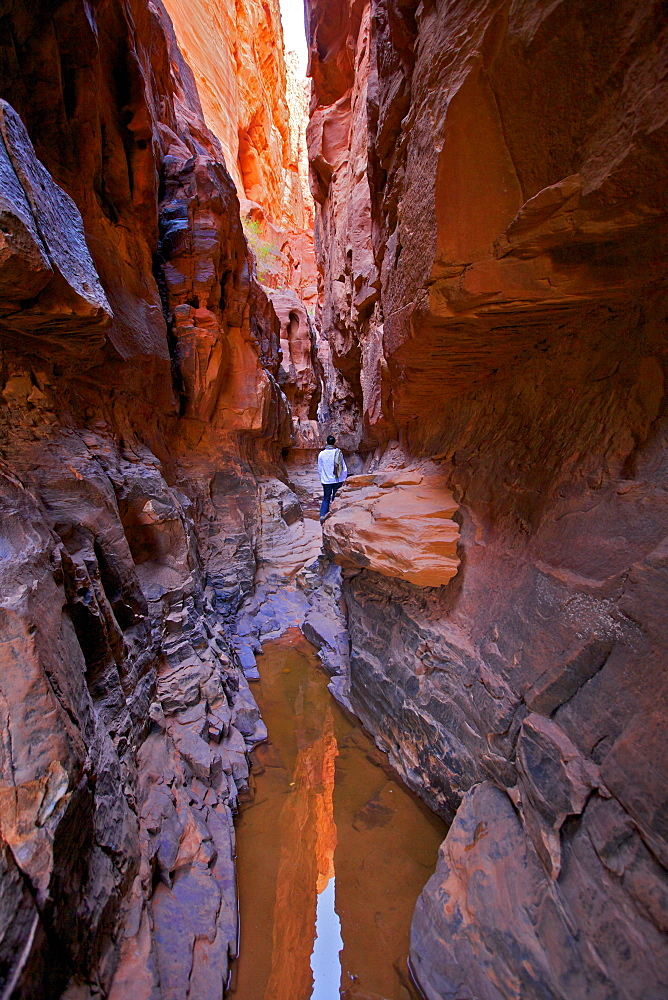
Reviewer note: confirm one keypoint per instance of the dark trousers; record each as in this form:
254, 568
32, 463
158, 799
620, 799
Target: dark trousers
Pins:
329, 492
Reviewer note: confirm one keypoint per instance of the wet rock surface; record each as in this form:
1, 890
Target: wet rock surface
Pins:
296, 587
322, 910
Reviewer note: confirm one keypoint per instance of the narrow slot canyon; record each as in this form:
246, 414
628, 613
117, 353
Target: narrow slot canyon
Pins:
413, 747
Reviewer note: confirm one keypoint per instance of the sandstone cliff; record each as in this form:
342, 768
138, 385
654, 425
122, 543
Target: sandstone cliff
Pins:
139, 402
236, 53
254, 103
490, 186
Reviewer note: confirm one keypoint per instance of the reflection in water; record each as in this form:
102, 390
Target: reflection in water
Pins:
306, 935
306, 829
325, 961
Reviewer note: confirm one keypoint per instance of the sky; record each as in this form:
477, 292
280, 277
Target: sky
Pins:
292, 16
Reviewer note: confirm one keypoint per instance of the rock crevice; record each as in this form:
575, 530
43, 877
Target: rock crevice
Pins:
487, 272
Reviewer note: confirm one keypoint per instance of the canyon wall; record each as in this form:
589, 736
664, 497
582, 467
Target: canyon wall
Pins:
140, 402
236, 54
490, 186
256, 105
253, 101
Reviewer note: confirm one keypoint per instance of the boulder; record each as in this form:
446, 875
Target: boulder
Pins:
397, 524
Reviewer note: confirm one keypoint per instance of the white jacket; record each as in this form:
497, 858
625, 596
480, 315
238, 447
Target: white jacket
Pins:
326, 465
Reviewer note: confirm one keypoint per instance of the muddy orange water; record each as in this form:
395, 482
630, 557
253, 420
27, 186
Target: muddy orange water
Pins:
332, 850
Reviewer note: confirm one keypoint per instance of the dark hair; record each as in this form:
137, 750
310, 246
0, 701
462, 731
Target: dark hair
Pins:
331, 439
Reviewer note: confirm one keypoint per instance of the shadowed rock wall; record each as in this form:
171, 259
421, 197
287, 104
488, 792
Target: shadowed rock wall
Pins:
139, 360
496, 303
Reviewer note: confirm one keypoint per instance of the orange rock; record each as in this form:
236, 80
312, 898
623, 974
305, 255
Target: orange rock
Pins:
237, 58
139, 383
298, 376
513, 229
340, 52
257, 107
399, 525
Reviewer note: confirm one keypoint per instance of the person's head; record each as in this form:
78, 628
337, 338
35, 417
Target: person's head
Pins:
331, 439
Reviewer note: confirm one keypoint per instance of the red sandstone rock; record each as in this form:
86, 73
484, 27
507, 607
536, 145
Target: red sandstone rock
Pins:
44, 254
337, 140
516, 172
130, 508
398, 524
298, 376
240, 72
254, 103
462, 945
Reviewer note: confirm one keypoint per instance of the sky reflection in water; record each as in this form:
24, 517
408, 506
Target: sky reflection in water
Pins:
325, 957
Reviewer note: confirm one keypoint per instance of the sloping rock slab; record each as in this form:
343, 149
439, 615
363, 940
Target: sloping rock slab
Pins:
491, 925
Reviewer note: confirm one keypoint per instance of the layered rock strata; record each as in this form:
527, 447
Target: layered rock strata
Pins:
398, 524
139, 404
301, 374
496, 303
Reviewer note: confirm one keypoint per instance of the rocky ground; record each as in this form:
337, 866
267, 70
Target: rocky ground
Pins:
141, 427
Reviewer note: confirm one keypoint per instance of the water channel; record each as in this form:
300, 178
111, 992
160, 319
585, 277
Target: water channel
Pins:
332, 849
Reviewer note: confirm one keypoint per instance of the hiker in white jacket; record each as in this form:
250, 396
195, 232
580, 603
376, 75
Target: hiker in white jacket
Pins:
333, 473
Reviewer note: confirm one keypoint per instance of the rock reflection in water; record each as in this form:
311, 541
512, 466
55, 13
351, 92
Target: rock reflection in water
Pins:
317, 772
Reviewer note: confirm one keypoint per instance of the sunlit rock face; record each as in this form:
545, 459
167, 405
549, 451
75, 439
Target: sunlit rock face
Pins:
139, 400
253, 101
240, 75
398, 524
514, 162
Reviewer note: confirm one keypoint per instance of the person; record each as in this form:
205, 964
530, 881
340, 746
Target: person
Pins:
333, 473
